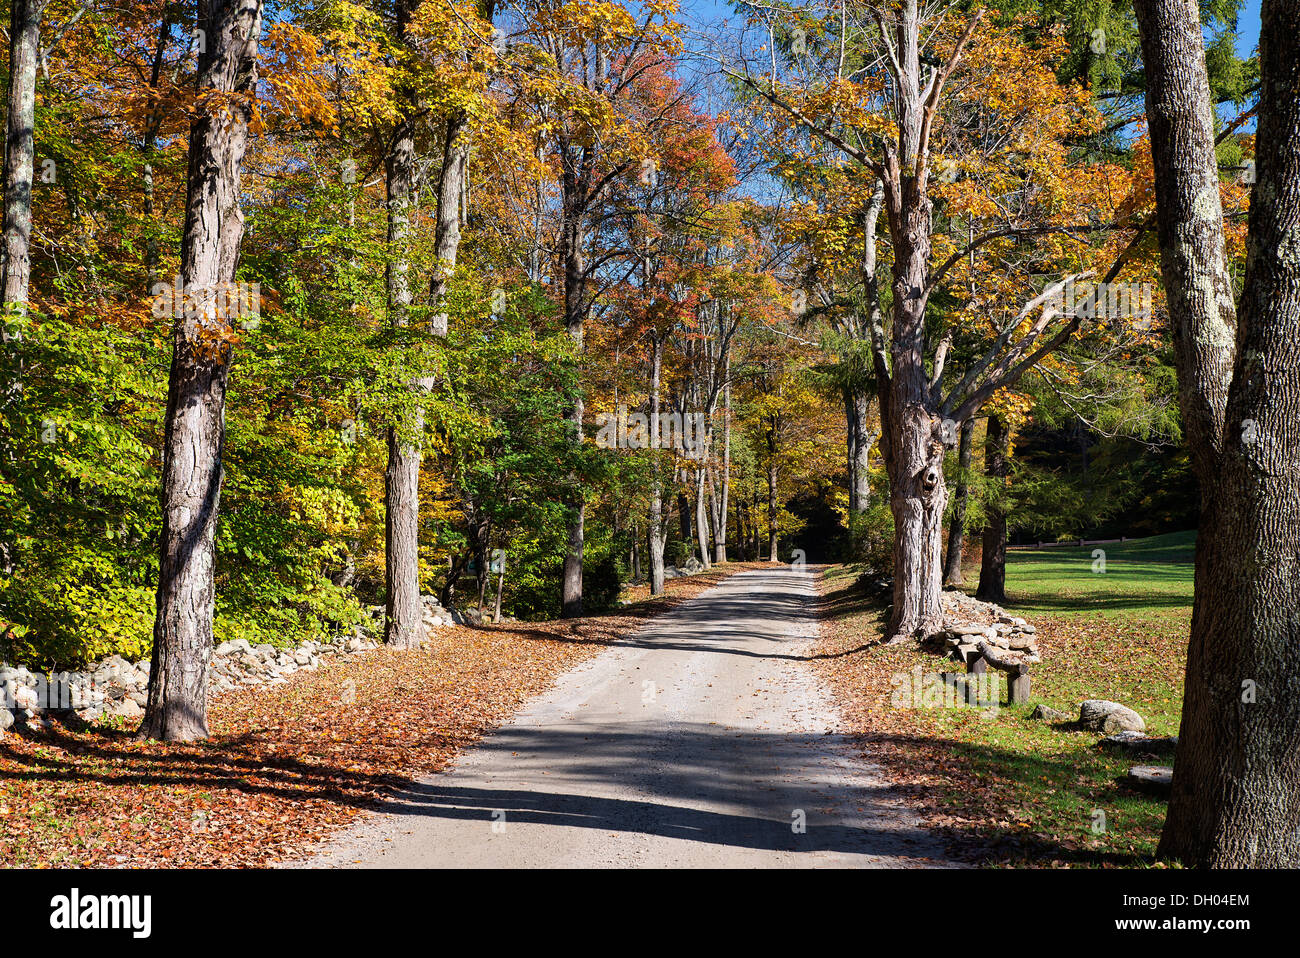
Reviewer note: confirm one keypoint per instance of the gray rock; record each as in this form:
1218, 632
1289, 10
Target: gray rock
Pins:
1152, 779
25, 697
129, 710
1140, 743
1045, 713
1099, 715
6, 719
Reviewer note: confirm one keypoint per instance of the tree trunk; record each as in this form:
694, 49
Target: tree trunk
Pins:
20, 147
451, 182
404, 623
455, 566
575, 292
772, 553
957, 524
720, 527
857, 408
195, 419
149, 149
912, 430
1236, 790
501, 583
480, 532
717, 518
701, 519
657, 536
918, 497
993, 562
1189, 221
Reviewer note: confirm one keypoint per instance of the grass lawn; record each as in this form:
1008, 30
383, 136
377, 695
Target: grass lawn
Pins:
1006, 788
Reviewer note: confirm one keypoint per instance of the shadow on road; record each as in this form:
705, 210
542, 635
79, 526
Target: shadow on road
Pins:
685, 770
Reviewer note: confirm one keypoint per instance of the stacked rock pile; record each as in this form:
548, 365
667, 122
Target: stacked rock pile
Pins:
967, 622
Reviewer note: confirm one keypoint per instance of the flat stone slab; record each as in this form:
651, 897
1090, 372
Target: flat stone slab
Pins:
1140, 743
1152, 779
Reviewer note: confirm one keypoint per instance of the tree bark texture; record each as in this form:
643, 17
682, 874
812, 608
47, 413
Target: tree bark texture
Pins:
1236, 788
404, 623
20, 147
194, 431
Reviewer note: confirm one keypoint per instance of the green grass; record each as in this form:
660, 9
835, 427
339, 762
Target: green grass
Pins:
1140, 580
1116, 634
1122, 632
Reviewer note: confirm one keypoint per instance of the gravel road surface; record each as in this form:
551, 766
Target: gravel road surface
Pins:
704, 740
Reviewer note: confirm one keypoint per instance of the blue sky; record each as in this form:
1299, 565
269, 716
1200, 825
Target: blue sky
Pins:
1248, 28
704, 11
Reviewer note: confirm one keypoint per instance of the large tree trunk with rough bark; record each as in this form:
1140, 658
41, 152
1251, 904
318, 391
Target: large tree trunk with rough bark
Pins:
1236, 788
20, 147
911, 429
993, 559
575, 311
918, 497
404, 624
196, 395
952, 574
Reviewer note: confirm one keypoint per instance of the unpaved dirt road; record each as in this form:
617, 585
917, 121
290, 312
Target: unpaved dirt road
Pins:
701, 741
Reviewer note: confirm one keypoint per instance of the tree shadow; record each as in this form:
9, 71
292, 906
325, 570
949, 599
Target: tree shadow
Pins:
112, 757
752, 789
